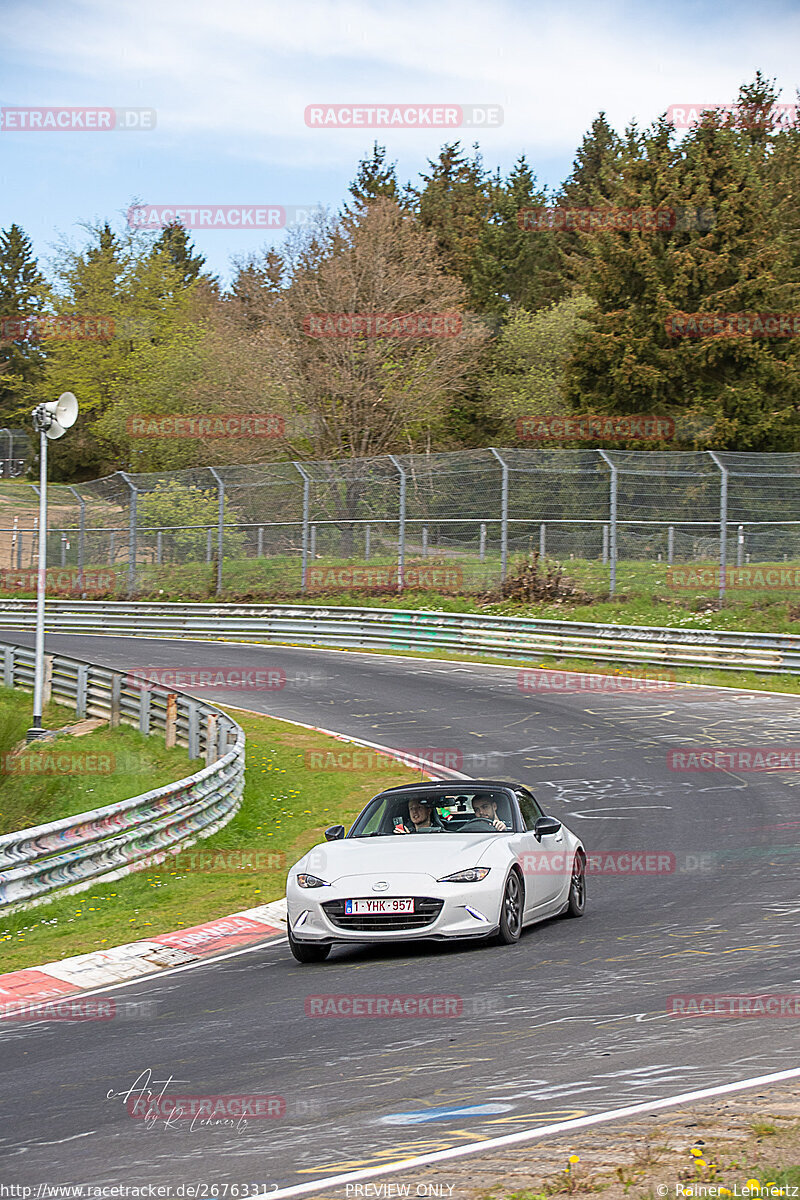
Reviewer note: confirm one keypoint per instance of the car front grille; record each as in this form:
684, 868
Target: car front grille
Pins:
426, 910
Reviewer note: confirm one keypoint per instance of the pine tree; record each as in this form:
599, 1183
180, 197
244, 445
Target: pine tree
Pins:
375, 180
455, 204
22, 294
175, 243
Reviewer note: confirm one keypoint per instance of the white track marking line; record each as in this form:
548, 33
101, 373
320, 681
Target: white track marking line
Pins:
525, 1135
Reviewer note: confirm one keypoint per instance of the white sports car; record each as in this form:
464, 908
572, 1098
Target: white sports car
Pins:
490, 862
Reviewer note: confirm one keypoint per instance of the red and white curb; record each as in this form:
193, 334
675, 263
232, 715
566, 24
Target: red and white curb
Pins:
103, 968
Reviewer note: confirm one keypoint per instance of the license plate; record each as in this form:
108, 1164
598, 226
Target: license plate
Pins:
361, 907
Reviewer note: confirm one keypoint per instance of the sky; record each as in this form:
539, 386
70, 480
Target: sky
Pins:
231, 80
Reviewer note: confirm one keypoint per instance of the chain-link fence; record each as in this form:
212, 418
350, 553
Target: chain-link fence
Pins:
444, 522
15, 450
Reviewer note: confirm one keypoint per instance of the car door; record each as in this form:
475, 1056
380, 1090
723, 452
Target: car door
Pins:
544, 863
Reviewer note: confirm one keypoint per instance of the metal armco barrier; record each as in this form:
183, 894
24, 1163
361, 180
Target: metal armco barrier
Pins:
40, 863
403, 630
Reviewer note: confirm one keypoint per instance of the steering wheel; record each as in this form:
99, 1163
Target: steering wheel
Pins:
477, 823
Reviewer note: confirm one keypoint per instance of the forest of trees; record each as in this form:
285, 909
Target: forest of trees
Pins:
555, 320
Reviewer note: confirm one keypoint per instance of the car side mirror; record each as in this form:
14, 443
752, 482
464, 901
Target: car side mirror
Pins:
334, 832
545, 826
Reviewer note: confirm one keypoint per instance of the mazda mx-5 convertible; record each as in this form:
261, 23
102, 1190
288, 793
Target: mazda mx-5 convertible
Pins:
474, 859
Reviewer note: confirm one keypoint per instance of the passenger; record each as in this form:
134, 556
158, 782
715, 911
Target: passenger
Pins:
484, 806
422, 815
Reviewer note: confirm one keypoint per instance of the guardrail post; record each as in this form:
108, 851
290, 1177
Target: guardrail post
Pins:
9, 656
612, 505
220, 525
47, 685
401, 525
212, 736
131, 533
503, 517
194, 729
723, 525
670, 545
306, 502
81, 690
81, 537
171, 721
116, 691
144, 710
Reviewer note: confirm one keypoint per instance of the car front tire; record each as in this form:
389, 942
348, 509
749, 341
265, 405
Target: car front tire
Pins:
308, 952
511, 910
576, 901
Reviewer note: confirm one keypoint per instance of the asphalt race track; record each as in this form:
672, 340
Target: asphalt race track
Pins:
570, 1021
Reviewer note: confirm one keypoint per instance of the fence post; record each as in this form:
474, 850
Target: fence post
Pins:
401, 525
131, 533
740, 547
542, 539
424, 541
171, 721
112, 547
670, 545
306, 502
605, 545
260, 550
483, 542
503, 517
209, 538
367, 532
47, 685
9, 658
612, 504
723, 525
19, 551
220, 528
63, 549
81, 537
159, 547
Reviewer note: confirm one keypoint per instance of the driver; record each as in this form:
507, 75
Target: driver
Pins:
422, 813
484, 806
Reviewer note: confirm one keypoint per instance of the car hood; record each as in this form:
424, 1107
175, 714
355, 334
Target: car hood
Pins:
429, 853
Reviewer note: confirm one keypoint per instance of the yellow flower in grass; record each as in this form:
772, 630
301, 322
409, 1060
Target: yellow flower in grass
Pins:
695, 1152
574, 1158
753, 1185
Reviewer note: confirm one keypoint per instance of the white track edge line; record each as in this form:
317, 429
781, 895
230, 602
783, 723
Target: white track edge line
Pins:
525, 1135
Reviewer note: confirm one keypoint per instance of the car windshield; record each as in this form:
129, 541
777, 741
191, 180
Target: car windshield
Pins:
464, 810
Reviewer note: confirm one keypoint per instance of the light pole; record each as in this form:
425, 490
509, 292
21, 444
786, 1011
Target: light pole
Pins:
50, 421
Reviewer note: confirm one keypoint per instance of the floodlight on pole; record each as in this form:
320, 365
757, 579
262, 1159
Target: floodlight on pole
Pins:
51, 421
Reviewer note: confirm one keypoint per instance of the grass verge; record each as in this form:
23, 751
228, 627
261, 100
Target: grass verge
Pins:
71, 775
285, 811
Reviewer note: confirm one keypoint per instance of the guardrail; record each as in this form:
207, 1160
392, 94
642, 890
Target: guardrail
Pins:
403, 630
92, 847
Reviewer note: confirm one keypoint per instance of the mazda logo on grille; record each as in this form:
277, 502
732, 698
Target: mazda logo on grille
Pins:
380, 886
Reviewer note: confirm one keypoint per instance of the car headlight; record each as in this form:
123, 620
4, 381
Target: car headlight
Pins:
311, 881
470, 875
